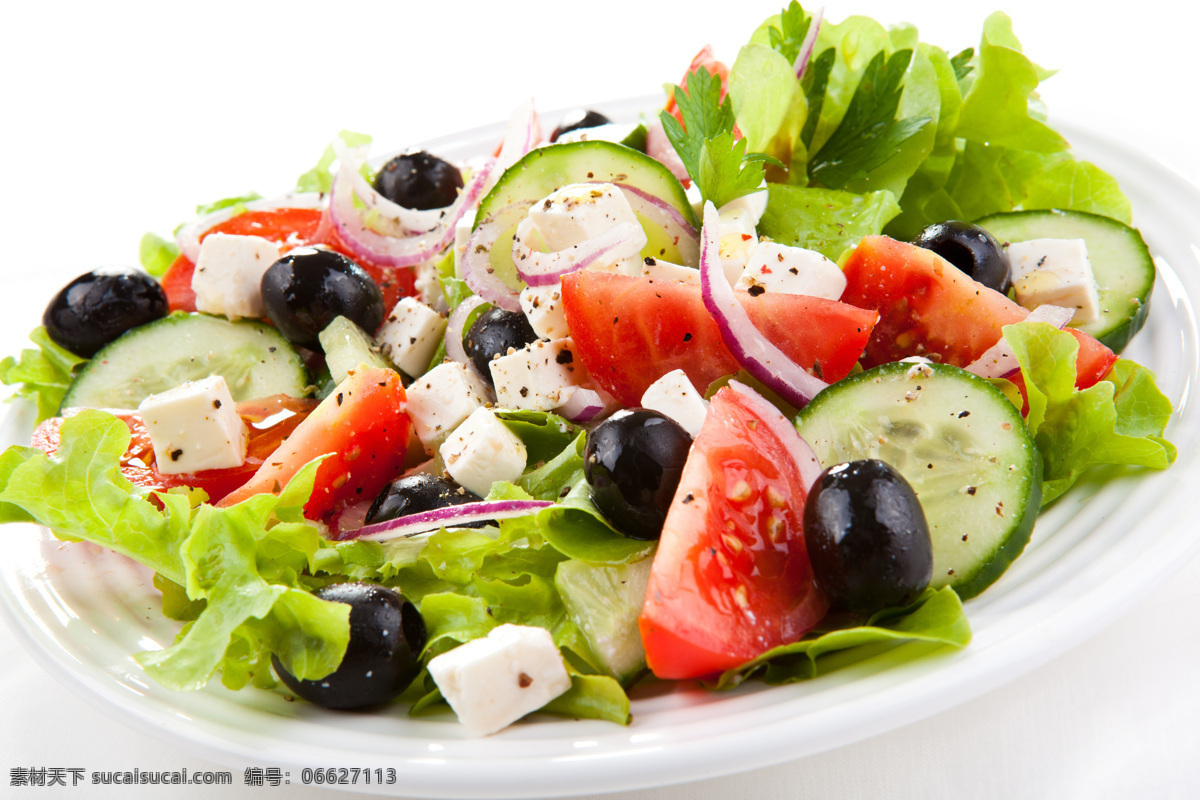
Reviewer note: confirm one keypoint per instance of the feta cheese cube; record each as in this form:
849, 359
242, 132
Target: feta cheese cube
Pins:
481, 451
462, 232
441, 399
674, 396
1055, 272
660, 270
737, 239
535, 376
194, 427
411, 334
774, 267
228, 275
579, 211
754, 205
544, 309
494, 681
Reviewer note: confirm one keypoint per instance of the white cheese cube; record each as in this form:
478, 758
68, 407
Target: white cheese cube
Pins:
1056, 272
674, 396
544, 309
462, 232
194, 427
441, 399
228, 275
776, 267
535, 376
611, 132
481, 451
579, 211
429, 288
660, 270
494, 681
754, 205
411, 334
737, 239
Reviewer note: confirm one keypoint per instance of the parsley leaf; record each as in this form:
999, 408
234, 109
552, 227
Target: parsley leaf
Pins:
789, 36
816, 81
869, 134
705, 116
705, 143
726, 173
962, 63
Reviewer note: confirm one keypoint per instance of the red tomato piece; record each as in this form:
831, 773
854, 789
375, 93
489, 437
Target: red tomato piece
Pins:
930, 308
271, 421
364, 427
731, 578
289, 228
631, 331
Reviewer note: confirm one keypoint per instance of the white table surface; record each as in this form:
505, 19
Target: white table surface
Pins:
117, 118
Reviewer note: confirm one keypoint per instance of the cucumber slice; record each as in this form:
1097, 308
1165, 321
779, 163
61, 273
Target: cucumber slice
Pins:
604, 602
254, 358
1121, 262
346, 346
960, 443
545, 169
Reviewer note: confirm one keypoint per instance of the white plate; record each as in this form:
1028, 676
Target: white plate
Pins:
83, 612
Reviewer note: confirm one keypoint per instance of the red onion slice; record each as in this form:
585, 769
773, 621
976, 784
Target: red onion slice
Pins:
582, 404
477, 268
658, 211
999, 361
760, 357
810, 41
543, 269
806, 459
391, 250
450, 516
456, 329
188, 237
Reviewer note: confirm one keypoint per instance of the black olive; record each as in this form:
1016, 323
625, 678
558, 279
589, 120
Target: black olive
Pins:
970, 248
867, 537
92, 310
577, 120
421, 492
303, 291
493, 333
387, 635
419, 180
632, 463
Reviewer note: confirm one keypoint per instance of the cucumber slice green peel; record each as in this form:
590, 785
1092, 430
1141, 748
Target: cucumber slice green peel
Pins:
545, 169
960, 443
1121, 262
254, 358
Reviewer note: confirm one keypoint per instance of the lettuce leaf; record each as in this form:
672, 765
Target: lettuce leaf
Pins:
826, 220
214, 553
43, 374
1119, 420
156, 254
936, 617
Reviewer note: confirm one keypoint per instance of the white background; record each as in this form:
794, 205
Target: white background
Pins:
118, 118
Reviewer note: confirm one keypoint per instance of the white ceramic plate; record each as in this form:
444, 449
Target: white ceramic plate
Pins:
84, 612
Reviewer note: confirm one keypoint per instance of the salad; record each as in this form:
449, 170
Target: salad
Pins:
859, 155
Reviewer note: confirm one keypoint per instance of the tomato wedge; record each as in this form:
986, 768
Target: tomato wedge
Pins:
289, 228
731, 578
930, 308
631, 331
364, 428
271, 421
